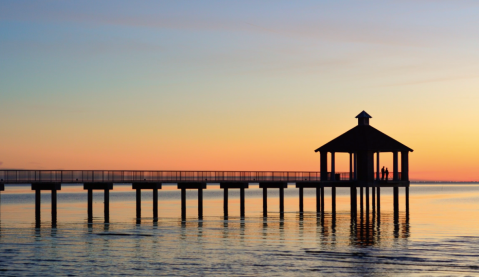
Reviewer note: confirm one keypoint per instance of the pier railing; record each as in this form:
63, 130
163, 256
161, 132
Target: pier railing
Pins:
129, 176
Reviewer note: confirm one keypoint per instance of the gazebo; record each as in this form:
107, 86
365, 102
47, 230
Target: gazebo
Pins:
363, 142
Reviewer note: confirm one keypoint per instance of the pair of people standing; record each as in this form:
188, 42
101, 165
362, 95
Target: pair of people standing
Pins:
384, 172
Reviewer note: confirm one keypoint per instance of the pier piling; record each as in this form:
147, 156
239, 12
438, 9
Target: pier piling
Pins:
37, 205
106, 187
138, 204
106, 205
367, 201
265, 202
361, 196
155, 204
225, 202
407, 200
183, 204
301, 195
322, 199
52, 187
140, 186
281, 202
333, 200
396, 201
90, 205
318, 199
226, 186
200, 203
54, 207
242, 204
379, 201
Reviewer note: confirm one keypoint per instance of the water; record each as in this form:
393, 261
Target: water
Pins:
441, 236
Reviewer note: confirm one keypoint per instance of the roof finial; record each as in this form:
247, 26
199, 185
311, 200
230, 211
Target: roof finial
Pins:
363, 118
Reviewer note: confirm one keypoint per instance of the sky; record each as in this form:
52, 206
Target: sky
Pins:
236, 85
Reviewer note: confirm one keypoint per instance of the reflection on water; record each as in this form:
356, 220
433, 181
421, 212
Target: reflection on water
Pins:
435, 239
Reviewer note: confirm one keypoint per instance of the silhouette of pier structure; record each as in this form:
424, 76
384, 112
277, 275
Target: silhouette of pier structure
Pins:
362, 143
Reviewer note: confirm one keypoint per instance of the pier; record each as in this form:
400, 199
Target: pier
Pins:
362, 143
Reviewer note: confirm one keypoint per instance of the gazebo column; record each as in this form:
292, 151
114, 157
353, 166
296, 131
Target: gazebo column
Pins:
324, 177
377, 166
395, 166
395, 189
405, 175
355, 159
351, 166
375, 186
333, 167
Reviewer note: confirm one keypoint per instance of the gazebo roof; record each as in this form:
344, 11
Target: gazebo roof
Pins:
363, 138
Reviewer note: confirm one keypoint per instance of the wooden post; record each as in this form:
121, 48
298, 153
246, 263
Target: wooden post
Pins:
107, 205
281, 201
265, 202
377, 166
396, 201
333, 199
322, 199
355, 200
183, 204
404, 166
333, 166
200, 203
407, 200
155, 204
361, 204
318, 199
395, 166
323, 165
379, 200
37, 205
351, 166
54, 206
138, 204
225, 202
367, 200
352, 196
90, 205
242, 204
301, 199
374, 198
355, 160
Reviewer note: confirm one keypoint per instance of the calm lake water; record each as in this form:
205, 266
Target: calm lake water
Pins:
440, 238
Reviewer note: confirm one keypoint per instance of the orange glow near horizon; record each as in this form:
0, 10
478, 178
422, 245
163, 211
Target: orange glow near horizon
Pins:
88, 87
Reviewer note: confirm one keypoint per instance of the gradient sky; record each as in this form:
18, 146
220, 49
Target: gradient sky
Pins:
236, 85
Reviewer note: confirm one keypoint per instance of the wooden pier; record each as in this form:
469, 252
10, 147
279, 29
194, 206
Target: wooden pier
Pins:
361, 143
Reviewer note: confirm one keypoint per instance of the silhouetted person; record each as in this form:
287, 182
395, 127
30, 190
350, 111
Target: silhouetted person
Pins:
387, 173
382, 173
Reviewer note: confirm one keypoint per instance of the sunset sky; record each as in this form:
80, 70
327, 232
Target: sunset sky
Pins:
236, 85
